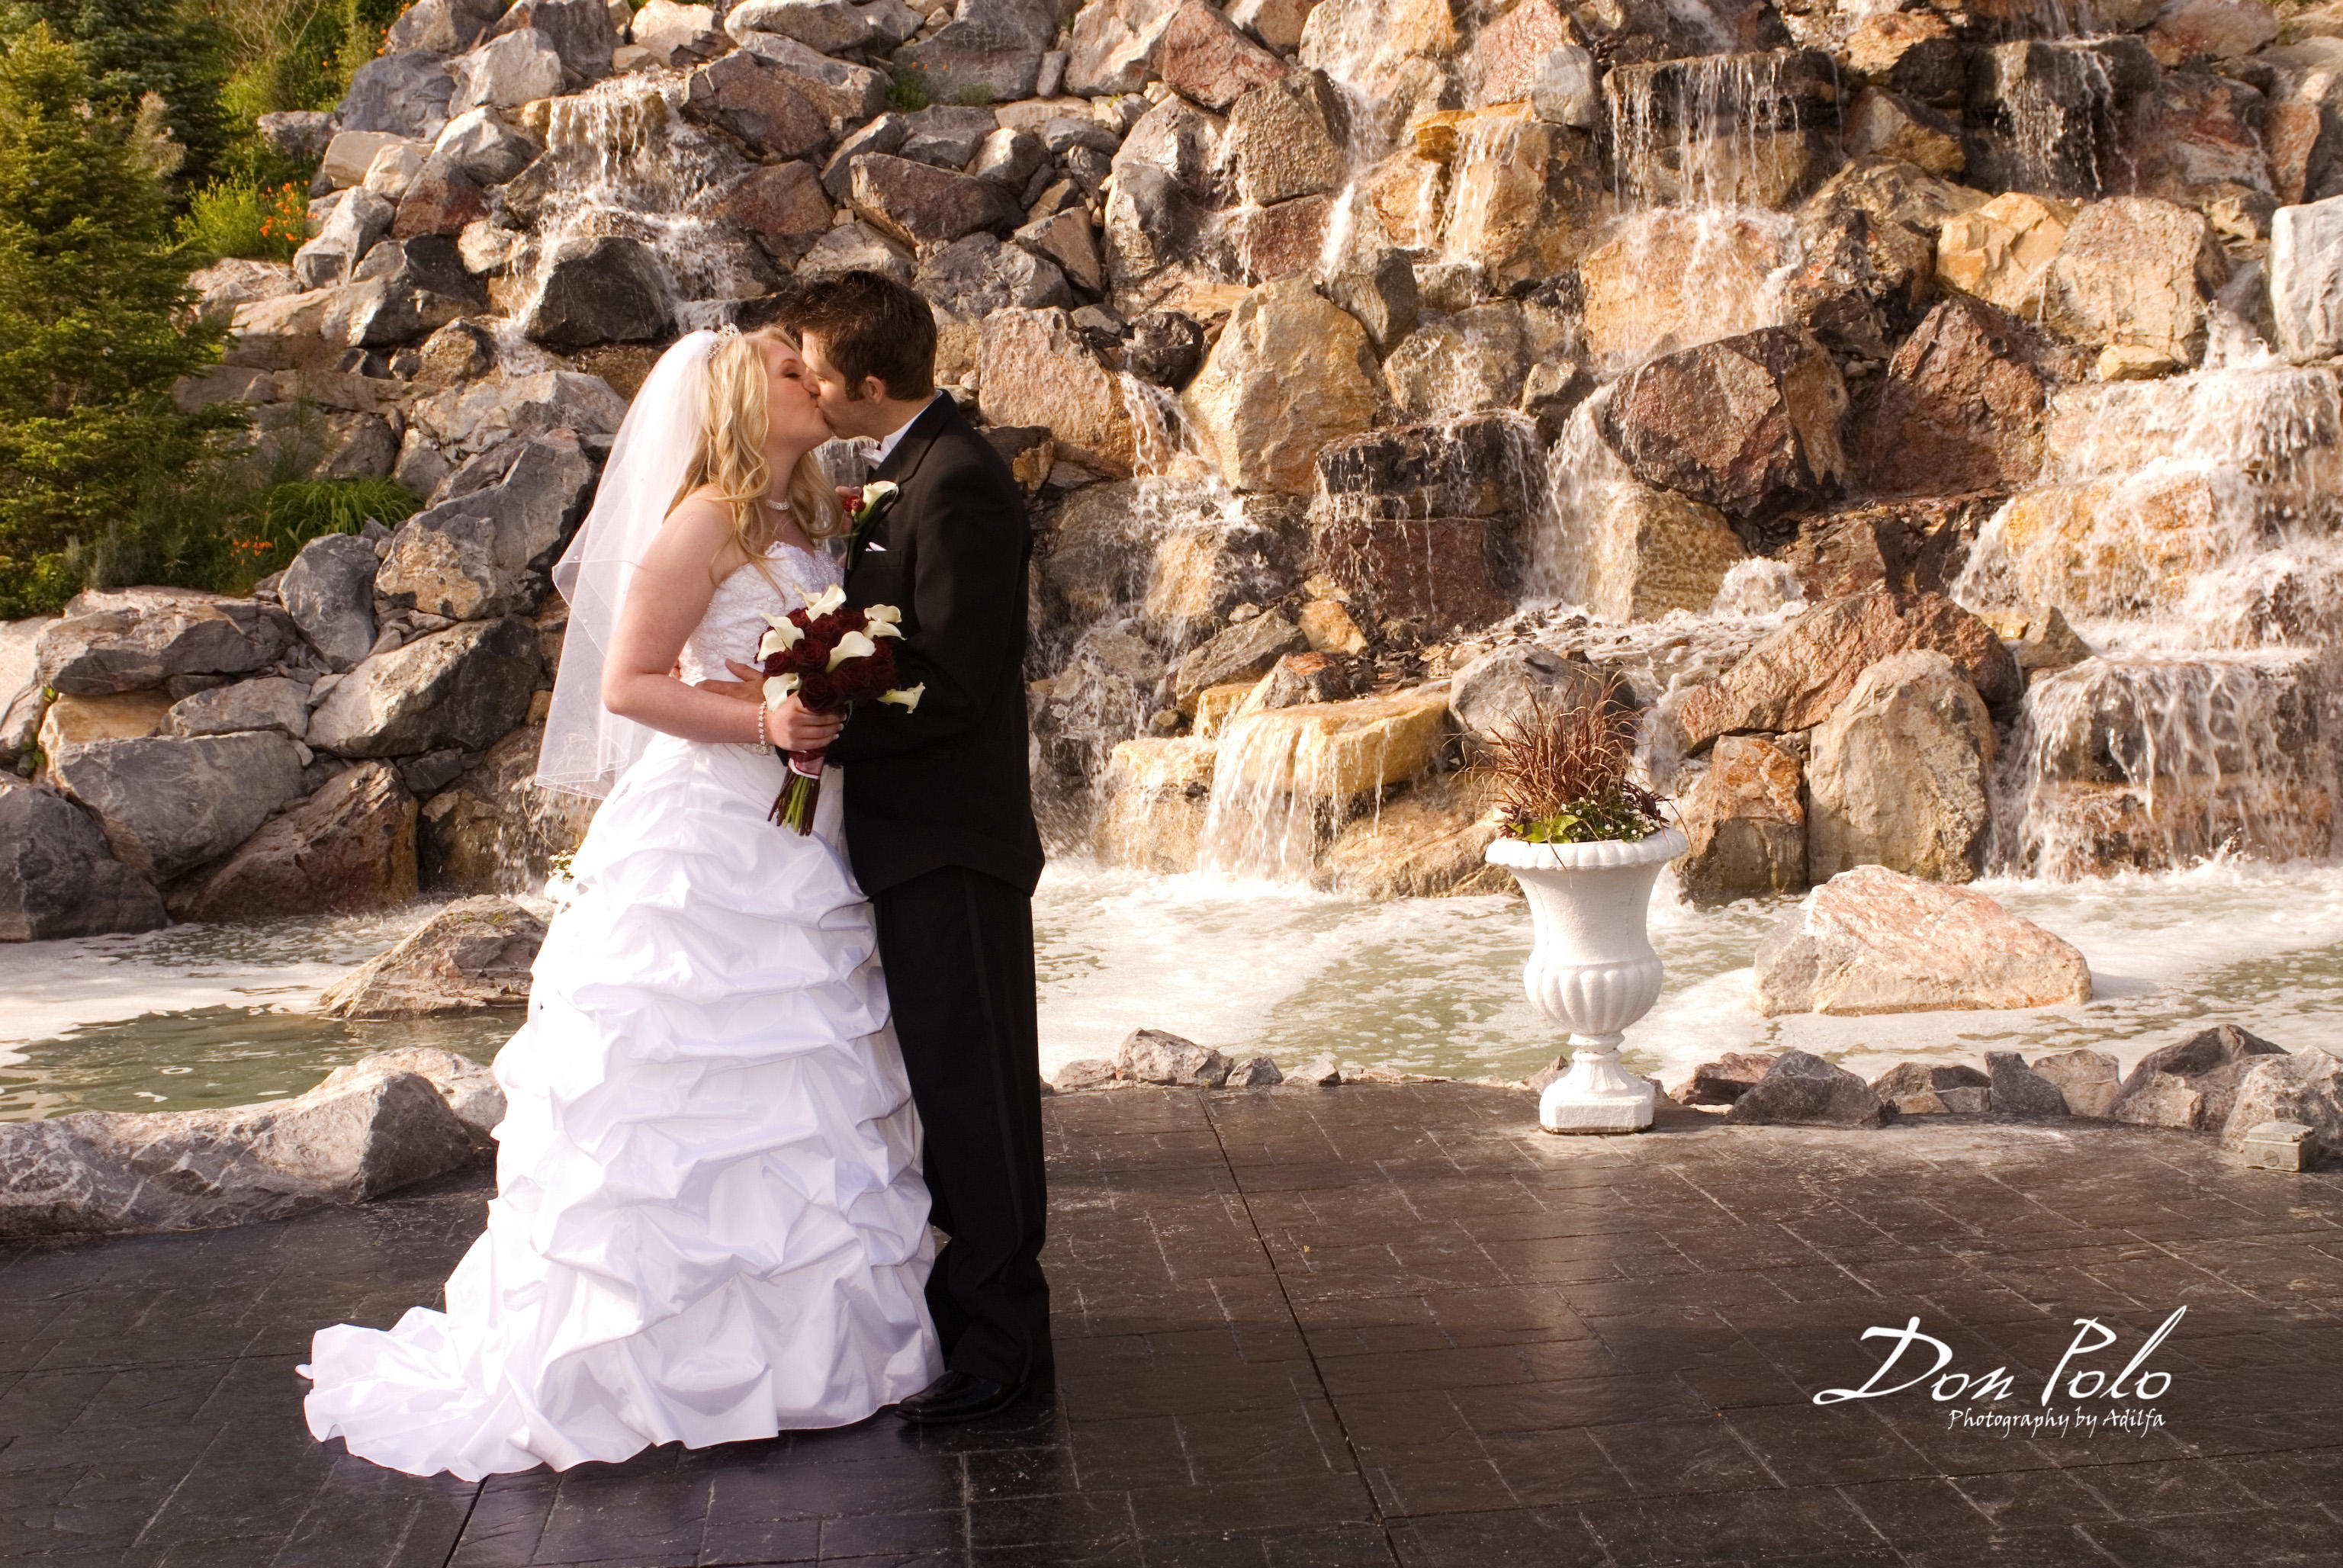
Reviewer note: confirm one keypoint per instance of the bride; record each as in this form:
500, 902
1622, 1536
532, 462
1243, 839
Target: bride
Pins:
709, 1222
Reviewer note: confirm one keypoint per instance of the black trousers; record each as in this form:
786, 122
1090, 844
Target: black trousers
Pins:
957, 947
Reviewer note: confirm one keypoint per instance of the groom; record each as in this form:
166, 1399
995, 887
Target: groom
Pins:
940, 826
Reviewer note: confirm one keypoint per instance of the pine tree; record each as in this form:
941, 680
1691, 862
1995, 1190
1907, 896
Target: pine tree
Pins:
95, 322
172, 48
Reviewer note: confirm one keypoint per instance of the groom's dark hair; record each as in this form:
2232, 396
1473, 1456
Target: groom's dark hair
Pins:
870, 325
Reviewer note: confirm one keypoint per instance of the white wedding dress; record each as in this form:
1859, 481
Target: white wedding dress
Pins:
710, 1224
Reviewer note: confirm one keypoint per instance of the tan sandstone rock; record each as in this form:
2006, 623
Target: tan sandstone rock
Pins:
1290, 373
1897, 776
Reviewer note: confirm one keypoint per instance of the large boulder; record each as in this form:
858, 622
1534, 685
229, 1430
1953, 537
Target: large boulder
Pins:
467, 686
1284, 141
1682, 274
109, 1172
1163, 175
1246, 651
1440, 573
2306, 274
1797, 677
328, 590
1512, 689
580, 31
1898, 774
22, 698
759, 102
1037, 368
1333, 752
2136, 271
2305, 1086
349, 847
1801, 1089
1156, 1056
991, 47
521, 67
493, 829
57, 878
138, 638
2001, 251
976, 275
2193, 1084
2087, 1080
1290, 373
1745, 820
403, 290
1205, 60
604, 288
168, 803
359, 220
1961, 408
473, 954
1154, 796
1930, 1089
915, 204
271, 702
475, 413
443, 26
482, 551
1648, 551
470, 1089
403, 94
829, 26
1873, 940
2048, 114
1748, 424
1430, 844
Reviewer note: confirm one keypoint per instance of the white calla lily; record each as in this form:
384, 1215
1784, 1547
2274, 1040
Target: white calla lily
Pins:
886, 612
853, 645
781, 639
883, 628
778, 689
876, 492
906, 698
833, 598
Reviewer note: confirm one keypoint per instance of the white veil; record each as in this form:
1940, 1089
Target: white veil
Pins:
587, 745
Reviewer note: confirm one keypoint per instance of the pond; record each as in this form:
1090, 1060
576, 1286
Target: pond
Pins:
224, 1015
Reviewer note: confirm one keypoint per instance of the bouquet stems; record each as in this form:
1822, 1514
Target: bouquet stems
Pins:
802, 794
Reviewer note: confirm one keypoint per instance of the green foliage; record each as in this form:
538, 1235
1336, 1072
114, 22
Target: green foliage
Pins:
975, 96
1591, 822
291, 513
175, 49
94, 323
907, 87
239, 216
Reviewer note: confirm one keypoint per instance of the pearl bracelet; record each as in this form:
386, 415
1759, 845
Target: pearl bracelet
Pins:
762, 738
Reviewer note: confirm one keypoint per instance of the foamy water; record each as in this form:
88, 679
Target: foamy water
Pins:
222, 1015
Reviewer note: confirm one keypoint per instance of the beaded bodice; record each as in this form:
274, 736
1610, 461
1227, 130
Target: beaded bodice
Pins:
736, 615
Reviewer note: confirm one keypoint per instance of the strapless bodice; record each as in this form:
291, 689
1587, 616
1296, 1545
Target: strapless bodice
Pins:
736, 616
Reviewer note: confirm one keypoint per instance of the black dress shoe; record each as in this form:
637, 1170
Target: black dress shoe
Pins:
958, 1396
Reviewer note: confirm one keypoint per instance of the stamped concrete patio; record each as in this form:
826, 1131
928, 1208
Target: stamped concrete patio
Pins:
1368, 1325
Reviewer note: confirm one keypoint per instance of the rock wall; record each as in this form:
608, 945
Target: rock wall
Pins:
1741, 351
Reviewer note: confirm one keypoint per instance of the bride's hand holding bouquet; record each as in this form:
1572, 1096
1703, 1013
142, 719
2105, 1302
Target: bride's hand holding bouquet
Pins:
828, 657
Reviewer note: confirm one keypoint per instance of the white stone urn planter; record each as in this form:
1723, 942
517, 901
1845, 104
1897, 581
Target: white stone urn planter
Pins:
1592, 968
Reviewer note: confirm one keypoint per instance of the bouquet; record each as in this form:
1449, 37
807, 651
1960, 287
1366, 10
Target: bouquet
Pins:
829, 658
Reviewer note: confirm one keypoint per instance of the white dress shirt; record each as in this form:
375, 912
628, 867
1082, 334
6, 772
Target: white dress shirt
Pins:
884, 446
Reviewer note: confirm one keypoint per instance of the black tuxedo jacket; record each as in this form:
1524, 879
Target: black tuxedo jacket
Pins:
948, 783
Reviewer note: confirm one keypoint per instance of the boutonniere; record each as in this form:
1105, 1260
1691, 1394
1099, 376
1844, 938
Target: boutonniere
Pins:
871, 503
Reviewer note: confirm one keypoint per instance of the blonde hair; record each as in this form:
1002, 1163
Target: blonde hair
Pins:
729, 459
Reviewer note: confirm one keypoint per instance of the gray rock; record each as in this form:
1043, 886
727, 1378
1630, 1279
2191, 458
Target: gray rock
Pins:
1244, 651
1508, 688
1383, 295
973, 276
1801, 1090
360, 221
270, 702
605, 288
893, 22
1318, 1073
2210, 1064
580, 31
1568, 88
947, 136
1930, 1089
2018, 1091
853, 246
760, 103
57, 878
108, 1173
2306, 280
1010, 158
994, 46
466, 686
2161, 1099
832, 26
1260, 1072
487, 150
1071, 241
482, 549
475, 953
1085, 1072
2305, 1087
887, 134
328, 590
469, 1089
916, 205
493, 829
1896, 776
167, 804
349, 847
403, 290
1113, 45
518, 69
1724, 1080
2090, 1080
1166, 347
21, 703
138, 638
471, 417
443, 26
404, 94
1152, 1056
301, 135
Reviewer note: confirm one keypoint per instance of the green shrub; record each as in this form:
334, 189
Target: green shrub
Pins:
94, 323
175, 49
239, 217
907, 87
975, 96
289, 513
